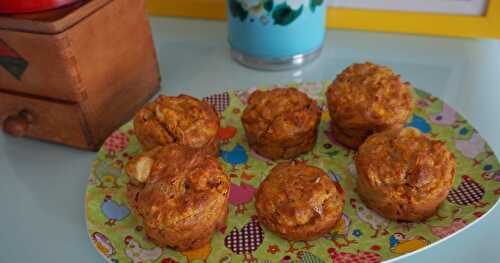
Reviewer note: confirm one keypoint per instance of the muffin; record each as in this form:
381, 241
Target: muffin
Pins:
299, 202
281, 123
181, 194
181, 119
404, 175
367, 98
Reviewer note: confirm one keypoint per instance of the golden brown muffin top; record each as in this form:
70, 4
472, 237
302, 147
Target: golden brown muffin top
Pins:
182, 119
406, 163
297, 194
280, 113
367, 94
179, 184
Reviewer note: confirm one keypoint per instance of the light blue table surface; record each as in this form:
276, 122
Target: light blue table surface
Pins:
42, 186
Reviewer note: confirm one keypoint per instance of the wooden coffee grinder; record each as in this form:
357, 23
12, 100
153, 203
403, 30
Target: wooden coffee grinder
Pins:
74, 74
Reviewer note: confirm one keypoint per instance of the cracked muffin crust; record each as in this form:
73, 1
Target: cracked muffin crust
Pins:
281, 123
367, 98
403, 174
181, 194
182, 119
299, 202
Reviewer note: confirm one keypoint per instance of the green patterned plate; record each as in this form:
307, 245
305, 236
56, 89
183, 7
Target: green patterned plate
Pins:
361, 235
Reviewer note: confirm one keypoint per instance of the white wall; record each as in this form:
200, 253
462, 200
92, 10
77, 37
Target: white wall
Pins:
465, 7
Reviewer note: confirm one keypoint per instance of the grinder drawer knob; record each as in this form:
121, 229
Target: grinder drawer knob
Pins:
18, 124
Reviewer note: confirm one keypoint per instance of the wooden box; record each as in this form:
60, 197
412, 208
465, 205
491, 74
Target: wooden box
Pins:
76, 79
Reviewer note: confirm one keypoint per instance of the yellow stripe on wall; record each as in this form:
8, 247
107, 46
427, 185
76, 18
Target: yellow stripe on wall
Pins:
385, 21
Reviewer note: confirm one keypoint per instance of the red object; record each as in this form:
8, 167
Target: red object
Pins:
22, 6
226, 133
375, 247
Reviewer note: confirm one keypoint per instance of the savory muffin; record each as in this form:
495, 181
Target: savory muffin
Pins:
181, 119
281, 123
403, 174
299, 202
367, 98
181, 194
